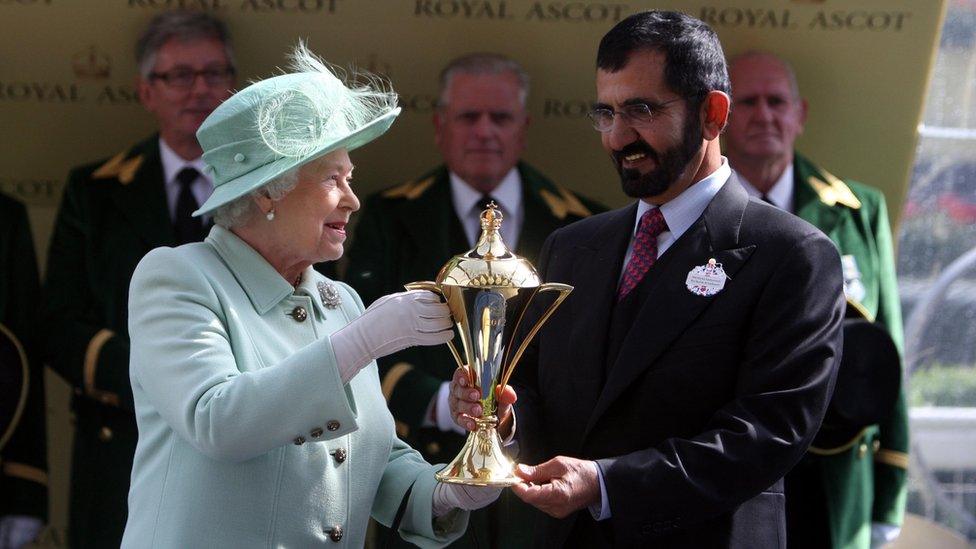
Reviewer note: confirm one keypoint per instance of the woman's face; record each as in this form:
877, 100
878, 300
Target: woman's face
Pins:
311, 219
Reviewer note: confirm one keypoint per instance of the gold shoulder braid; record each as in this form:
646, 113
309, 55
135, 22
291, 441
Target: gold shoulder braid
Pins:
119, 167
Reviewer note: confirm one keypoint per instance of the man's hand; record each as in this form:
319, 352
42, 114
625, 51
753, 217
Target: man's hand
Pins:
560, 486
465, 402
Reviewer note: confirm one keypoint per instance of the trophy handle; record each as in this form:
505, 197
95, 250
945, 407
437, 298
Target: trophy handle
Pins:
434, 287
564, 291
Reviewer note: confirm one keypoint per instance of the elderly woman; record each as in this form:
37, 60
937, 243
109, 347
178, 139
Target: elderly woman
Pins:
261, 419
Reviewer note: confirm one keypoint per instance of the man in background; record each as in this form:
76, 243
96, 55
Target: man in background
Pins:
407, 232
23, 443
836, 491
112, 213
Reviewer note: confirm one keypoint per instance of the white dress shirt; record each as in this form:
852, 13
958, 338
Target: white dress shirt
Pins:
508, 195
173, 164
780, 194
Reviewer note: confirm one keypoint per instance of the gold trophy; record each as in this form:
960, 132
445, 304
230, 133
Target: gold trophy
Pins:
488, 290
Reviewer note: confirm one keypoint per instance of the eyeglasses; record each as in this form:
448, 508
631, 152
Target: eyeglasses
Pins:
184, 78
637, 115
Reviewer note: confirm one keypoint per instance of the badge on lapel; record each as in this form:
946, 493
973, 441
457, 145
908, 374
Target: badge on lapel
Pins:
706, 280
853, 287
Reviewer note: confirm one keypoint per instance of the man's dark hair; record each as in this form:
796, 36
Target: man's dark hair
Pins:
694, 61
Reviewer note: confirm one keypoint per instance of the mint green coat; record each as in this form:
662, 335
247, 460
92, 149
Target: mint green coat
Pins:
242, 414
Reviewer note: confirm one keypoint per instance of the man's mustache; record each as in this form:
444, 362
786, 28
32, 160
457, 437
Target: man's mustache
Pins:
639, 146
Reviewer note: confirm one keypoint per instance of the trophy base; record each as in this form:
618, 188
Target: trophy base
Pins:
481, 461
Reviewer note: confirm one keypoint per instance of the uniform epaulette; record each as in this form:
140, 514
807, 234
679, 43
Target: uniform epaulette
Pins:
409, 190
834, 191
564, 204
120, 167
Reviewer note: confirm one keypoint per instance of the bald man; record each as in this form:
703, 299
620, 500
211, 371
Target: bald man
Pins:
840, 487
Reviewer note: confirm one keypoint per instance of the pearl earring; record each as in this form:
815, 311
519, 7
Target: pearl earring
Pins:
270, 215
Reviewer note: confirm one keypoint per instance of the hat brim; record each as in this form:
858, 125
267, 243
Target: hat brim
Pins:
255, 179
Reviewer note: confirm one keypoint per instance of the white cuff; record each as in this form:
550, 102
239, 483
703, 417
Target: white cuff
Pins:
601, 511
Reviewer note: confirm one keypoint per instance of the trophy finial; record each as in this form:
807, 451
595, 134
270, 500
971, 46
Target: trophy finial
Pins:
492, 217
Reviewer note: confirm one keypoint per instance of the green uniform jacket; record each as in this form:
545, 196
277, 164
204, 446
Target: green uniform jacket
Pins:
863, 480
407, 233
111, 215
23, 459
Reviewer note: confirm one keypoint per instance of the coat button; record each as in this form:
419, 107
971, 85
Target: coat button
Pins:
335, 533
433, 449
332, 425
299, 440
105, 434
316, 432
861, 450
299, 314
339, 455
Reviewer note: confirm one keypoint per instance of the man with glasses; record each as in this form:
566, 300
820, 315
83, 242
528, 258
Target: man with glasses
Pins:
689, 370
407, 232
849, 491
112, 213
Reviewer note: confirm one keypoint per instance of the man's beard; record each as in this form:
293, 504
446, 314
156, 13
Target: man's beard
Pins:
669, 165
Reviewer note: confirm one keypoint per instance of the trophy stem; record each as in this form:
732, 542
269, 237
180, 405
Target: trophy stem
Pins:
481, 461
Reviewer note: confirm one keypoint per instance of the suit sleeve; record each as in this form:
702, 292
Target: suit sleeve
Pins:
23, 463
79, 346
372, 272
891, 459
788, 365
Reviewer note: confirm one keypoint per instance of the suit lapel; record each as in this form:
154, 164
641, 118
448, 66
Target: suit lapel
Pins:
596, 271
430, 221
143, 200
806, 202
671, 307
538, 222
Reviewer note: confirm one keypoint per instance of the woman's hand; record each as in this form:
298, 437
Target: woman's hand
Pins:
392, 323
459, 496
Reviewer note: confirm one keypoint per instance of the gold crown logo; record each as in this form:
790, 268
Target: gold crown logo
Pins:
91, 63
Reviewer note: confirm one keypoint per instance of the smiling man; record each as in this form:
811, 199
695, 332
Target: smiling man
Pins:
841, 495
111, 214
689, 370
407, 233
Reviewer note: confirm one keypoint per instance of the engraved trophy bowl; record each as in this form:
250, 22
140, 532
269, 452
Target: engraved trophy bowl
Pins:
488, 290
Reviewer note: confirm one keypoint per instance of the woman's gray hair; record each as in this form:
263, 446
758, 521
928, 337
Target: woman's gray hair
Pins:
242, 210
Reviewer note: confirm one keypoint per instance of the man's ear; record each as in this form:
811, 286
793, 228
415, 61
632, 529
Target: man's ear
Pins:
803, 113
144, 92
715, 114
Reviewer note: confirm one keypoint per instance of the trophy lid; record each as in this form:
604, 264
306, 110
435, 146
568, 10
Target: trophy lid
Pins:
490, 263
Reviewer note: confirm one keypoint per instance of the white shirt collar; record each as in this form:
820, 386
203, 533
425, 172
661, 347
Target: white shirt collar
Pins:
173, 163
508, 193
683, 210
780, 194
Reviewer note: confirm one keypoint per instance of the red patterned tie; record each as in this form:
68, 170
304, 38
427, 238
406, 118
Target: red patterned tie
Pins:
644, 255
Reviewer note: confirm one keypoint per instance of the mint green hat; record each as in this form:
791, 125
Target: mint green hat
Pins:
285, 121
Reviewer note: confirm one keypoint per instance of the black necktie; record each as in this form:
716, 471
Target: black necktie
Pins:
485, 200
187, 227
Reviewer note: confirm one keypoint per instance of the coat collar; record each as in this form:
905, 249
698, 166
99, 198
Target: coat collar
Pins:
263, 285
674, 307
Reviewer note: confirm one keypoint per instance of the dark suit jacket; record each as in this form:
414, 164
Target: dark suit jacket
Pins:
112, 213
23, 460
711, 399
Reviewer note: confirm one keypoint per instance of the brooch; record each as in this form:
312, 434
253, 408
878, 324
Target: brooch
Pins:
329, 295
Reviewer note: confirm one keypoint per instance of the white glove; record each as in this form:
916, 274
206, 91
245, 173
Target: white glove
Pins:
459, 496
882, 534
19, 530
392, 323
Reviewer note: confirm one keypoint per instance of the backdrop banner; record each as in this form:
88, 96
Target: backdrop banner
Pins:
67, 93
